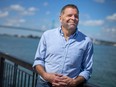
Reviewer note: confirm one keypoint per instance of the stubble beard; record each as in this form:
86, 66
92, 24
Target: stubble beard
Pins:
69, 26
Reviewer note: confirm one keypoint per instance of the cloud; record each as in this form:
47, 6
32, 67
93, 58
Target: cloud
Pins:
15, 14
47, 12
110, 32
92, 22
110, 29
17, 7
99, 1
45, 4
32, 9
3, 14
29, 11
85, 16
21, 20
111, 17
43, 27
15, 22
22, 10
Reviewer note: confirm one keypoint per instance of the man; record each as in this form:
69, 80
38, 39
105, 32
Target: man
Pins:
64, 55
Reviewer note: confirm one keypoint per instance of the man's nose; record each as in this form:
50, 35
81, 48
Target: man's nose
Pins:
73, 17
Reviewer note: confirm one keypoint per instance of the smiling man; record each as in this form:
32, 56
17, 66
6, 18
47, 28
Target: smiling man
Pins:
64, 55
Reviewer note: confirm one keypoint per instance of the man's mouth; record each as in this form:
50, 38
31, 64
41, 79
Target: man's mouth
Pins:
72, 23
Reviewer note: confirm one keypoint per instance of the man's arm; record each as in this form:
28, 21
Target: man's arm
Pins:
40, 69
53, 78
86, 68
87, 61
39, 64
79, 80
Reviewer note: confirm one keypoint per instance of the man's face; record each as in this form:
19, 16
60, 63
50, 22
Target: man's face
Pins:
69, 19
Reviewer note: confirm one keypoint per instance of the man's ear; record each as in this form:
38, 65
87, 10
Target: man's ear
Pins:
60, 18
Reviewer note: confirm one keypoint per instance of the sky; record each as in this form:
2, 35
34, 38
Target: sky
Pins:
97, 18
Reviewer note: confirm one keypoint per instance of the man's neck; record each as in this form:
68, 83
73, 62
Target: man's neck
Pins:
68, 33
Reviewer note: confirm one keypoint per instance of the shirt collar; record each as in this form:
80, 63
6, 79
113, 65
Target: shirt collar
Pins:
62, 34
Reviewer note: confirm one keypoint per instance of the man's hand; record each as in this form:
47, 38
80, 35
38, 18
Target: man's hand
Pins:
54, 79
68, 81
72, 82
58, 80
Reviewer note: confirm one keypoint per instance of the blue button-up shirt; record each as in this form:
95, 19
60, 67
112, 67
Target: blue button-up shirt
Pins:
71, 58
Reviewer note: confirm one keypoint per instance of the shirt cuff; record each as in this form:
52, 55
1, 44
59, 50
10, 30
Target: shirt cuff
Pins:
85, 74
37, 63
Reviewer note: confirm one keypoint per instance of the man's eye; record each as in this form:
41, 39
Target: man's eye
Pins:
76, 16
69, 15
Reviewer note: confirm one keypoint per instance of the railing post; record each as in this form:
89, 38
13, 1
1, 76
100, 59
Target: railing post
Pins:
15, 75
1, 71
34, 79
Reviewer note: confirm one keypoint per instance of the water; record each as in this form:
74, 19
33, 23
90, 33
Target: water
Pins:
104, 68
22, 48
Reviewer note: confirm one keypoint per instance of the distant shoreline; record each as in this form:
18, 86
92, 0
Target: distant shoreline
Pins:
21, 36
95, 41
103, 42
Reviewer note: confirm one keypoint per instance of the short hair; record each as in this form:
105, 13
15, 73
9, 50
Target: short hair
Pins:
69, 6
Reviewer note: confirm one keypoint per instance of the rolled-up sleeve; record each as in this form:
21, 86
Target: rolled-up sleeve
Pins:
87, 62
40, 53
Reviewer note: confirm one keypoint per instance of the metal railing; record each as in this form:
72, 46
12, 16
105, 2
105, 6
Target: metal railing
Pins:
16, 73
